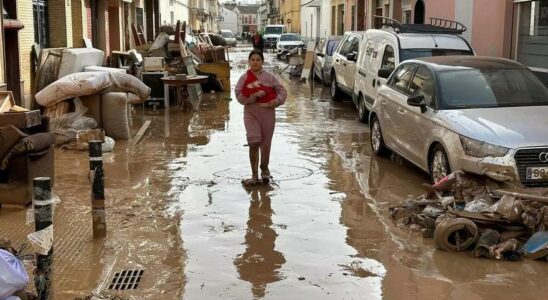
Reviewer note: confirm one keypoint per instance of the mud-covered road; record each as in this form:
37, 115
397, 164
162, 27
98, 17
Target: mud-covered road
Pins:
323, 231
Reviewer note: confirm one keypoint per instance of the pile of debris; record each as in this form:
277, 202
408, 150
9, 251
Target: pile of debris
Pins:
465, 211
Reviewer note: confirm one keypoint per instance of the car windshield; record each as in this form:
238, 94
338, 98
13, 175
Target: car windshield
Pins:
290, 37
273, 30
406, 54
475, 88
226, 34
331, 46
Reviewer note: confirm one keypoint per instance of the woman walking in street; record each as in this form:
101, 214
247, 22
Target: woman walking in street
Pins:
258, 42
260, 92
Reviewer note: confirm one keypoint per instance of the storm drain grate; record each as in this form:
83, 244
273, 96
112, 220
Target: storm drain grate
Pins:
126, 280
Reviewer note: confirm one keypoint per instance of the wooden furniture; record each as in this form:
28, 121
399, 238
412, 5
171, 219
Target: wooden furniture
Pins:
221, 69
181, 86
138, 35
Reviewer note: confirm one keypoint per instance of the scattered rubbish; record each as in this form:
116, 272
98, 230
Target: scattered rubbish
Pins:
464, 210
139, 135
13, 276
537, 246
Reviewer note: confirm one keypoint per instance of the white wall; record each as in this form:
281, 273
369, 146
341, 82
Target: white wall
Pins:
179, 8
325, 23
464, 13
230, 20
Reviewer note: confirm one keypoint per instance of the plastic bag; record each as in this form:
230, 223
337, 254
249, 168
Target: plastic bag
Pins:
108, 145
13, 276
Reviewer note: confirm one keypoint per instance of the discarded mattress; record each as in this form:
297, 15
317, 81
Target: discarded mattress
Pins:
75, 60
89, 83
104, 69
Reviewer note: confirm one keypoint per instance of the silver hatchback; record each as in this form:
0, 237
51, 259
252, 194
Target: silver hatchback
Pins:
483, 115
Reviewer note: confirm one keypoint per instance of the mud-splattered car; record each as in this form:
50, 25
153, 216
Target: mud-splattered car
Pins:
479, 114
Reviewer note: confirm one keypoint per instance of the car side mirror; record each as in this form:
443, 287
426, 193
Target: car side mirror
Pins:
384, 73
417, 101
351, 56
320, 54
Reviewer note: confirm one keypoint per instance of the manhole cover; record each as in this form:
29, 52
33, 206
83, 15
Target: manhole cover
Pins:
279, 172
126, 280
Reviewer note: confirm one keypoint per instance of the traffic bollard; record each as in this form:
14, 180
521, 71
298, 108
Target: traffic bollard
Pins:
97, 189
43, 218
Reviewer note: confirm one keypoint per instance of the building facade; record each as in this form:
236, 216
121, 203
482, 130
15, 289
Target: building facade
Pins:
228, 19
290, 15
247, 15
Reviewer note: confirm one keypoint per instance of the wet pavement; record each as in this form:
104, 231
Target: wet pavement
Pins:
176, 208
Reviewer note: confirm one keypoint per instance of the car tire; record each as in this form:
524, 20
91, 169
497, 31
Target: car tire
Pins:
438, 164
334, 90
363, 114
325, 81
377, 141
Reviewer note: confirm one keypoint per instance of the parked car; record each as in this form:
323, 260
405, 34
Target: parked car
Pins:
344, 65
229, 37
323, 58
288, 42
483, 115
271, 35
382, 51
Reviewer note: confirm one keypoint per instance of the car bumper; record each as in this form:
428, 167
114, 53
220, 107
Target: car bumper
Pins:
497, 168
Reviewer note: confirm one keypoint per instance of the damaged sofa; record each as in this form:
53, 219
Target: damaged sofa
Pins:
22, 158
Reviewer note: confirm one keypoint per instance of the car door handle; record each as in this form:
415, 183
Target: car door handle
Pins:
374, 82
337, 60
383, 102
401, 111
362, 73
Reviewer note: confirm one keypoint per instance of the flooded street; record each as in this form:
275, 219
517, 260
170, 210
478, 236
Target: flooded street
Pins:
176, 209
322, 231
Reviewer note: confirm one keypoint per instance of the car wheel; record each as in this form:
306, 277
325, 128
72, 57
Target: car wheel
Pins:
377, 141
362, 110
439, 164
335, 92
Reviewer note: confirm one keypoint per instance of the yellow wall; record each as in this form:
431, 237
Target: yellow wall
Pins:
291, 9
26, 40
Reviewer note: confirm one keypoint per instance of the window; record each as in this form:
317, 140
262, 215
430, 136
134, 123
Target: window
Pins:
331, 46
400, 81
388, 61
423, 84
347, 45
320, 46
406, 17
532, 42
353, 12
172, 17
139, 16
41, 24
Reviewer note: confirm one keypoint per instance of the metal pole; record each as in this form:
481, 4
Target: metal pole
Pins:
97, 189
43, 218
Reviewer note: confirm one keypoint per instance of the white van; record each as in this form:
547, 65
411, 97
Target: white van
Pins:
382, 50
272, 34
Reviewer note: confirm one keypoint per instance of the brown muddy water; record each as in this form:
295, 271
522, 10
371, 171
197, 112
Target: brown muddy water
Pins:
322, 231
176, 208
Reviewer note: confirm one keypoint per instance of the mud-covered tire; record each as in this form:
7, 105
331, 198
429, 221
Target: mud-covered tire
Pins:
456, 234
363, 114
325, 81
377, 141
438, 164
334, 89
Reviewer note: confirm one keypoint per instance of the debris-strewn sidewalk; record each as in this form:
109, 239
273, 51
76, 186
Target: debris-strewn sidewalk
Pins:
139, 234
466, 211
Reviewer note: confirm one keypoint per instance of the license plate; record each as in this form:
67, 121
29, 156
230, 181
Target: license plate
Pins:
537, 173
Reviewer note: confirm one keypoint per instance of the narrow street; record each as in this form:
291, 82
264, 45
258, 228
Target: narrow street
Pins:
177, 210
322, 231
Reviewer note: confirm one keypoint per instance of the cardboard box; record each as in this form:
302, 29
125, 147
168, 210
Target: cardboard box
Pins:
153, 64
21, 120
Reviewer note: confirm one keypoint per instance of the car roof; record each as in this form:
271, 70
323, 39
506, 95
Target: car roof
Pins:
445, 63
421, 40
290, 33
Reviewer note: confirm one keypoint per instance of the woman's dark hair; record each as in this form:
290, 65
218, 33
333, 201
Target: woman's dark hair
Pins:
256, 51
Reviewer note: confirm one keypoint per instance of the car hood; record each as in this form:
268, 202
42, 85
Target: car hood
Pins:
271, 36
510, 127
290, 43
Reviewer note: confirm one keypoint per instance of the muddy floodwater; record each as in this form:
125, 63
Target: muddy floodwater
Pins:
321, 230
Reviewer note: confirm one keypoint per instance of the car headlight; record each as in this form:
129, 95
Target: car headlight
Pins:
481, 149
280, 46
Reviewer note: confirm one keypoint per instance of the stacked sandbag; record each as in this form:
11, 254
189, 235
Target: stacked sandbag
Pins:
115, 115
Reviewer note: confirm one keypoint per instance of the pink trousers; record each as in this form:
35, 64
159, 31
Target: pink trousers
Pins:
259, 125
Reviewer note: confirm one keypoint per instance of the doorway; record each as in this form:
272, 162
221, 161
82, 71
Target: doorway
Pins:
419, 12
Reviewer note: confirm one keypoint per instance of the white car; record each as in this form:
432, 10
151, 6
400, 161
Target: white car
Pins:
288, 42
344, 65
271, 35
229, 37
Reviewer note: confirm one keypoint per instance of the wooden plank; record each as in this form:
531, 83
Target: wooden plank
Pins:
139, 135
308, 60
6, 101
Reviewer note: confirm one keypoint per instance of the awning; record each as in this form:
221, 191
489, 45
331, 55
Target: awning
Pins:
312, 3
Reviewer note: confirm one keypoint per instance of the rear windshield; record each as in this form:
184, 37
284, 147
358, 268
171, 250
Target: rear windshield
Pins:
406, 54
227, 34
274, 30
290, 37
331, 46
475, 88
